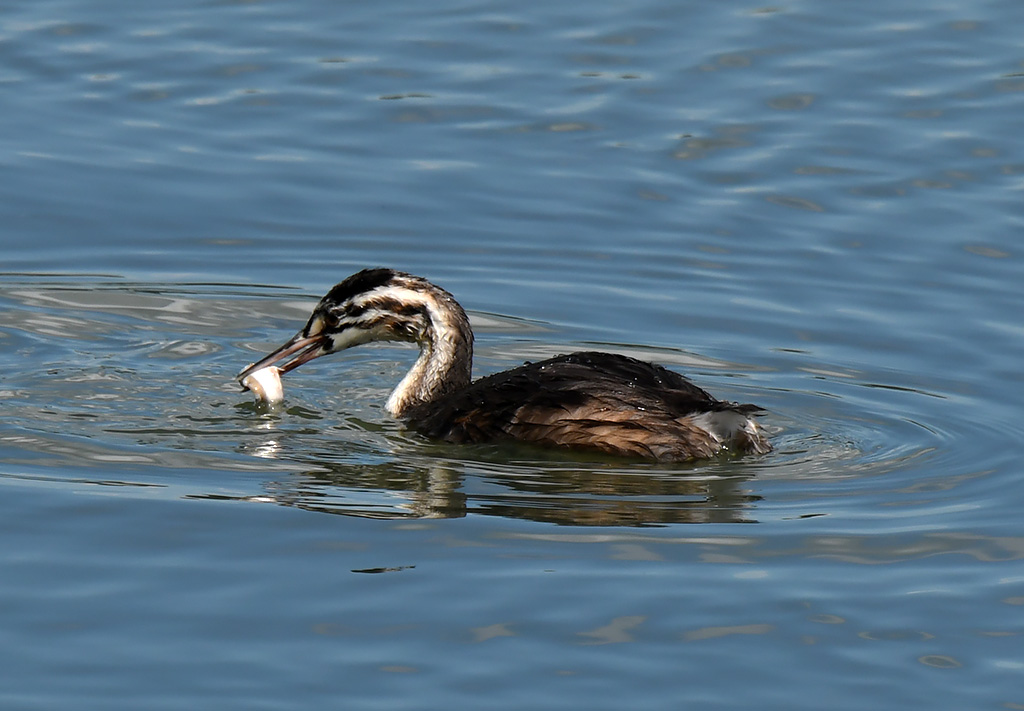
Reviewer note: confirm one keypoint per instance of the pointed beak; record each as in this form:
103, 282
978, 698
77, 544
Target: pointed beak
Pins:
300, 349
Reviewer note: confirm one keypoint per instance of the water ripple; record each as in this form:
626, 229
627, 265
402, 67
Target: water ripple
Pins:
168, 402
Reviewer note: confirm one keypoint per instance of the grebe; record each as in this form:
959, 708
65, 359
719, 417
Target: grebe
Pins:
591, 401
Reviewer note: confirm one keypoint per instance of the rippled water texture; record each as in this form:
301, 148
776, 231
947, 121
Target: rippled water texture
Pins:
813, 207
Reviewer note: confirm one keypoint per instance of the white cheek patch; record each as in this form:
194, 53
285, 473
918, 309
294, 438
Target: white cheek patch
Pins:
351, 336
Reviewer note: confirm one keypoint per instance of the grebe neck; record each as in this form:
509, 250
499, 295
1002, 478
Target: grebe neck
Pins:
445, 363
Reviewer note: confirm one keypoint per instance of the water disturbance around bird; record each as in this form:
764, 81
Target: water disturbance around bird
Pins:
814, 208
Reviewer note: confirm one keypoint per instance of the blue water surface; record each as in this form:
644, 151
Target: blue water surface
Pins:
810, 206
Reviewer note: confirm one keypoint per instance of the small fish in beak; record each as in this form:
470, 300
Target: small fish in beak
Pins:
265, 384
263, 378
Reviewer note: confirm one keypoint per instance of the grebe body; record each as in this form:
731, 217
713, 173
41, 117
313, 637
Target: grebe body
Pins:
591, 401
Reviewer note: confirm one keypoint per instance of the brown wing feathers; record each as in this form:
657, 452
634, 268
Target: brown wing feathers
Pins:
611, 403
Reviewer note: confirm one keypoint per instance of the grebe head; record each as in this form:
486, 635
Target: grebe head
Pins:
387, 305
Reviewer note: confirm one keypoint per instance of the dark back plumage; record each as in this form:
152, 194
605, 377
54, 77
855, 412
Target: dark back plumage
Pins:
589, 400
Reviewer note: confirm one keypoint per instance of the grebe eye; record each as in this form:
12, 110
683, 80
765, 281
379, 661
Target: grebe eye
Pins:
331, 320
